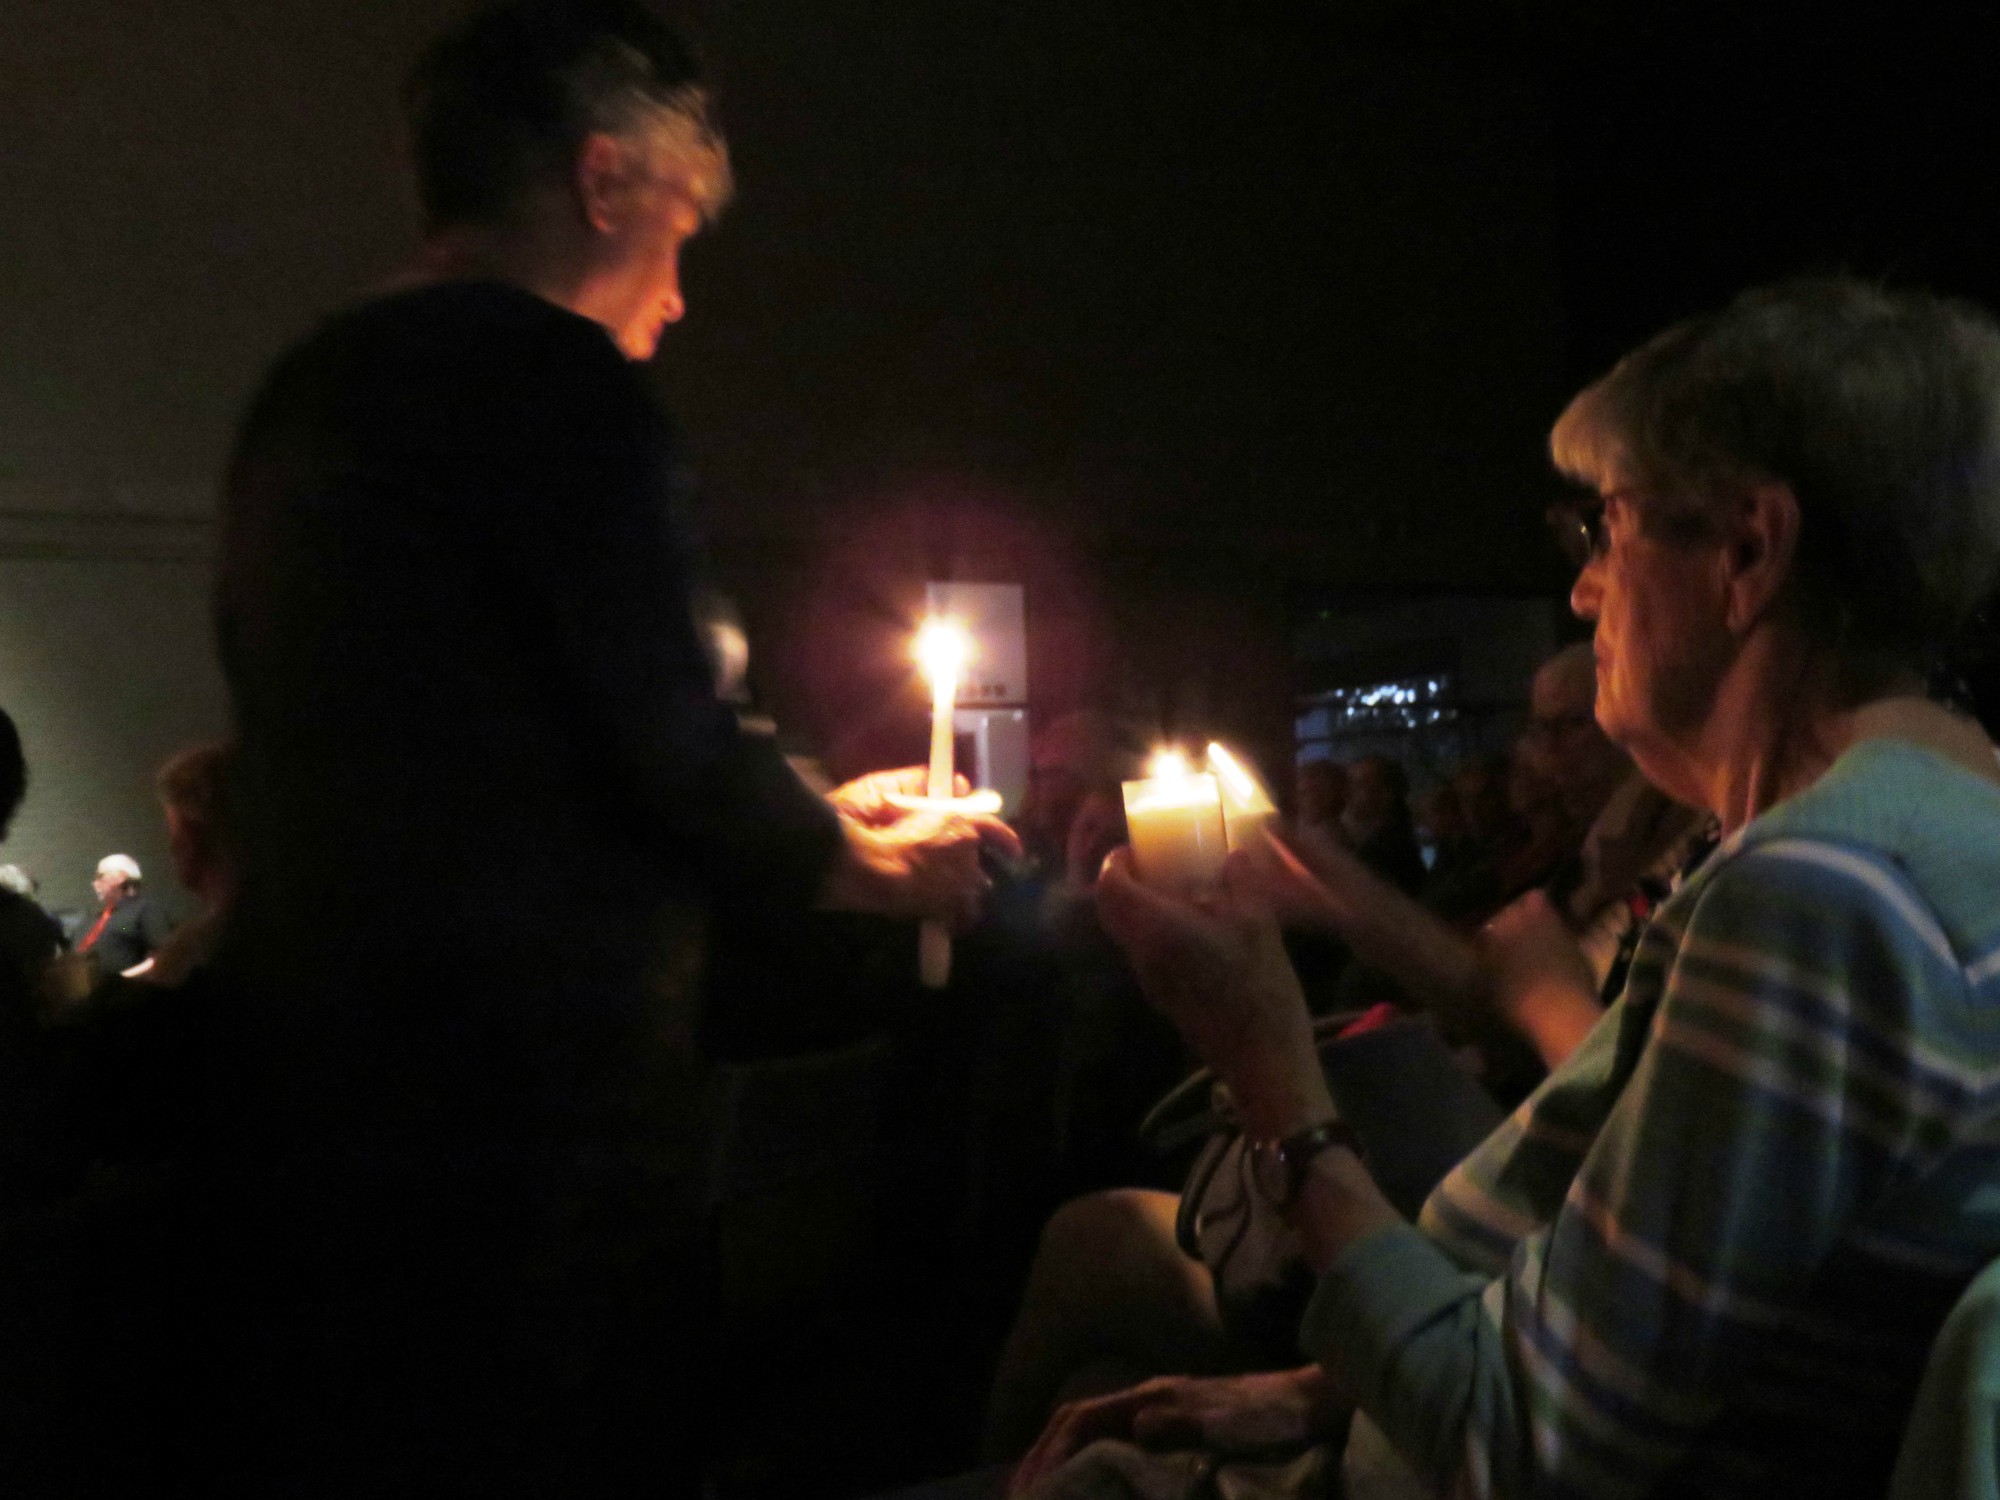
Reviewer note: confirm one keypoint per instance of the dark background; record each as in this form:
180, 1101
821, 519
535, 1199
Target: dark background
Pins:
1182, 314
1191, 315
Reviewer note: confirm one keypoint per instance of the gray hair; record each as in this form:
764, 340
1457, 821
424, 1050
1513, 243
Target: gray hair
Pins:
1879, 409
503, 102
674, 130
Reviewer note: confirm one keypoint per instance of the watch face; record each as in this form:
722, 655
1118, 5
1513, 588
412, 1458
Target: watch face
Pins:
1270, 1173
1278, 1168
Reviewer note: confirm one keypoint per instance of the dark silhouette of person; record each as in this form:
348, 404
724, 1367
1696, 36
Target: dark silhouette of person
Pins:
435, 1234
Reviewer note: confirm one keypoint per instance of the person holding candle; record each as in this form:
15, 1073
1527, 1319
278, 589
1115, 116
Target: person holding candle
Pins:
455, 612
1708, 1255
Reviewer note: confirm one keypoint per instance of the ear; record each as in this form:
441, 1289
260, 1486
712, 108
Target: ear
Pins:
1760, 539
600, 181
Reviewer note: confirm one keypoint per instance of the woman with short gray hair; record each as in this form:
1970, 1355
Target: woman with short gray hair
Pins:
1709, 1255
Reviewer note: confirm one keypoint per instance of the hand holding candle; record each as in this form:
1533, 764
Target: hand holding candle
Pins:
909, 855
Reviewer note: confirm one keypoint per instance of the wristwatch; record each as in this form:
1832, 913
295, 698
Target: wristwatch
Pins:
1278, 1168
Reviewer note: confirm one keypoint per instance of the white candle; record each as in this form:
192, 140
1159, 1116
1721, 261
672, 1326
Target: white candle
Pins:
1175, 819
942, 649
1247, 809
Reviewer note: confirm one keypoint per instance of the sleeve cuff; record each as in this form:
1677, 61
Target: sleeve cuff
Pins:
1373, 1299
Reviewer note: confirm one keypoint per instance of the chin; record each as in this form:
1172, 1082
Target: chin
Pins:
1618, 726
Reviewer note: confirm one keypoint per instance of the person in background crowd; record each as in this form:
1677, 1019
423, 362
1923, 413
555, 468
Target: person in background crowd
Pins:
194, 791
1319, 795
1563, 740
1442, 831
1376, 822
129, 926
1709, 1256
1110, 1290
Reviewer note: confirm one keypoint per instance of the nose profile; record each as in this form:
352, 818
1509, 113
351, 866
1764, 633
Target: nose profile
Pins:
1587, 592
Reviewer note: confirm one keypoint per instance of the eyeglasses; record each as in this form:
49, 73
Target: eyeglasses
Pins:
1578, 527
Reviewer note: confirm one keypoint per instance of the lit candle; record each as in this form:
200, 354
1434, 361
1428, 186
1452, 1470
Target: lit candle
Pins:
942, 650
1247, 809
1175, 819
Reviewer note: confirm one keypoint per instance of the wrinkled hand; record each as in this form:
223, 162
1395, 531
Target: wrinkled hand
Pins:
1234, 1414
869, 799
1216, 967
908, 856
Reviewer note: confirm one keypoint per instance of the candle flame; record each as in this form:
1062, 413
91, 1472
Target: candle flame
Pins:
943, 648
1243, 788
1168, 764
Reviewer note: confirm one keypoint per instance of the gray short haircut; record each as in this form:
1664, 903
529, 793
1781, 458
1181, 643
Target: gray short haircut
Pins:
674, 130
503, 102
1879, 408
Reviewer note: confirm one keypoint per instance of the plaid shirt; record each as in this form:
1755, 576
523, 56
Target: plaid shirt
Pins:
1709, 1254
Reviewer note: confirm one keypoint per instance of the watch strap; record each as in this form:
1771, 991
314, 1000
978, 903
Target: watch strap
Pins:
1295, 1153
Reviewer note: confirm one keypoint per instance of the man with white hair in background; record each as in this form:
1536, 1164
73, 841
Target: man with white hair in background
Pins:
129, 925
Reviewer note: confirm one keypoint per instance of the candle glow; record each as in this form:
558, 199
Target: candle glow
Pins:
1247, 809
943, 648
1175, 818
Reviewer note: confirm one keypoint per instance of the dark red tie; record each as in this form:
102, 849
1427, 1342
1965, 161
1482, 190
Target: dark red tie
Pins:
96, 930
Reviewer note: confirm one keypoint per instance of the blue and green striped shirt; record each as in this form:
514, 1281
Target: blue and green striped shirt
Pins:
1709, 1254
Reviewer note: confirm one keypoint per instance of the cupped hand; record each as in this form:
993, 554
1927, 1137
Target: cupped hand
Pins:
1216, 967
1225, 1414
868, 799
908, 855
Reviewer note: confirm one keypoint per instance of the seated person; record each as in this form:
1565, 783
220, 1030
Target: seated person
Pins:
1541, 964
1111, 1294
1709, 1255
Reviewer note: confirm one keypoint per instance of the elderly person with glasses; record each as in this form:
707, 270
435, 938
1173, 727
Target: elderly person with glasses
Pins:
1708, 1256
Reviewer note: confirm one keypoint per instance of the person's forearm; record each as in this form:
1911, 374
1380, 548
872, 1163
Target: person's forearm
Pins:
1390, 932
1555, 1018
1338, 1205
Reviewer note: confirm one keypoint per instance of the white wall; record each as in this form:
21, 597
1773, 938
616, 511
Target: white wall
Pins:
107, 667
187, 185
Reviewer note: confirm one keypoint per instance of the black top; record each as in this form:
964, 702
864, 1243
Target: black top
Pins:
483, 775
477, 722
137, 927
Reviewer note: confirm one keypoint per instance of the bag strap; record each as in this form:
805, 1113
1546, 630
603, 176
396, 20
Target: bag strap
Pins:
1196, 1106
